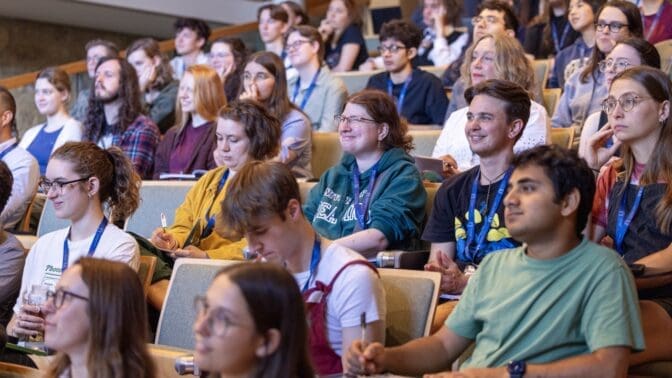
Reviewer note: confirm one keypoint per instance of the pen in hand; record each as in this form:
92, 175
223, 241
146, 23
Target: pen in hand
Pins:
164, 224
362, 326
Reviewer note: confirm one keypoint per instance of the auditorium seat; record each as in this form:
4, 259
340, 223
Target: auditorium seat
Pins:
157, 197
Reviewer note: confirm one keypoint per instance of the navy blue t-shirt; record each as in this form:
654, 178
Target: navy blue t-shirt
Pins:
351, 34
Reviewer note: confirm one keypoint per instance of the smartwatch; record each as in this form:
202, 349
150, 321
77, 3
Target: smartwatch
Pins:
516, 369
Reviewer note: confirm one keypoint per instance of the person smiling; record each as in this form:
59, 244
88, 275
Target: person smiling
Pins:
80, 178
419, 95
96, 320
252, 323
52, 92
188, 145
227, 58
314, 90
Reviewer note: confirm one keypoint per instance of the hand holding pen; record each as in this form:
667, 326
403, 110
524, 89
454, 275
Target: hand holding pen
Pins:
362, 357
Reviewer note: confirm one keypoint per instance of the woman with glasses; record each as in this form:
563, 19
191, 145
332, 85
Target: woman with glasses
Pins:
584, 90
245, 131
264, 80
227, 57
501, 57
373, 199
251, 323
314, 90
188, 146
80, 182
633, 201
631, 52
96, 320
345, 48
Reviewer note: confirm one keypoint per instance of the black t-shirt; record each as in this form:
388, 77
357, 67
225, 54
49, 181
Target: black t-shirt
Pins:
351, 34
425, 102
448, 220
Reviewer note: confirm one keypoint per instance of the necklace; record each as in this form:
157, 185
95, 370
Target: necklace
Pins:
490, 181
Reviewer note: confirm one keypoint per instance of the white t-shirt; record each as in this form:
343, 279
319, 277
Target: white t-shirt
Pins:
453, 140
44, 262
358, 289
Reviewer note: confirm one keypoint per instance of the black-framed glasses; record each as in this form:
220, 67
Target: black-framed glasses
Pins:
58, 297
296, 44
614, 27
217, 319
349, 120
382, 49
627, 102
46, 185
619, 65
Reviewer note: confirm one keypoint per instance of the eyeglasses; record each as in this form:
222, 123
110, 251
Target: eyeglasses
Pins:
349, 120
490, 20
258, 77
296, 44
627, 102
382, 49
614, 27
619, 65
46, 185
58, 297
217, 319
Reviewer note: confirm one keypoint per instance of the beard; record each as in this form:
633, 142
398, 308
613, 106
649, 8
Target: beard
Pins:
107, 98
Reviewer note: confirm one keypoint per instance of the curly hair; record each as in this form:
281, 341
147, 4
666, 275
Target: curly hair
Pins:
119, 183
261, 127
403, 31
131, 107
200, 27
511, 64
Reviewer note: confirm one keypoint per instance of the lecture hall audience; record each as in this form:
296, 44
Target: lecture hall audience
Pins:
96, 49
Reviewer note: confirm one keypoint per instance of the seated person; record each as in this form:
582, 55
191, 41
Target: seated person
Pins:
96, 49
227, 57
549, 32
264, 80
492, 57
314, 90
115, 115
575, 56
264, 205
493, 17
630, 52
11, 255
498, 112
374, 198
96, 320
273, 24
24, 167
345, 48
633, 200
657, 20
264, 297
155, 78
297, 15
52, 92
419, 95
245, 131
584, 90
511, 305
81, 178
191, 36
188, 145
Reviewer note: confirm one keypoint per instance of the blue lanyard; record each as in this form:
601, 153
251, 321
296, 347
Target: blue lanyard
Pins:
559, 43
471, 225
309, 91
7, 150
623, 223
210, 225
402, 94
362, 206
654, 24
92, 247
314, 261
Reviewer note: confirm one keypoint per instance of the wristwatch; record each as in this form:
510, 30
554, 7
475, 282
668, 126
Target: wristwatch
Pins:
516, 369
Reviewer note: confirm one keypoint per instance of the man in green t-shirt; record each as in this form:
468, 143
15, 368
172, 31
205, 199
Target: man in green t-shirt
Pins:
557, 305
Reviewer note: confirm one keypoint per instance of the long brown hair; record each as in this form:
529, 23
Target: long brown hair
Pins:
659, 166
131, 107
278, 102
117, 343
119, 183
164, 72
208, 95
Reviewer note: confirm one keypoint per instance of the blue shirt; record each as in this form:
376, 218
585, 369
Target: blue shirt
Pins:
42, 146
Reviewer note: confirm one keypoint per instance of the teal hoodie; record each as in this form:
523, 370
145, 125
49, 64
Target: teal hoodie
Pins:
397, 206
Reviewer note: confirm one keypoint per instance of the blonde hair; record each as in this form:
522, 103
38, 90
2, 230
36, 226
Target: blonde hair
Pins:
208, 95
511, 64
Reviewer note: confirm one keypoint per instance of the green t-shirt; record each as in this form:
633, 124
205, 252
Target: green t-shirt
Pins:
520, 308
